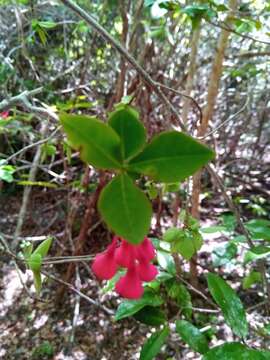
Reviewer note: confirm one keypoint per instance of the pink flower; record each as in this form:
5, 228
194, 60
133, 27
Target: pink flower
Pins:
147, 271
125, 254
146, 250
130, 285
135, 258
104, 265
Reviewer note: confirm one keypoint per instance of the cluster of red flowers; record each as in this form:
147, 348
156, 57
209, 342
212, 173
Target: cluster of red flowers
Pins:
135, 258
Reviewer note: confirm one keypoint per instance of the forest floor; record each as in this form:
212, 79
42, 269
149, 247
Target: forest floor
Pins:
30, 329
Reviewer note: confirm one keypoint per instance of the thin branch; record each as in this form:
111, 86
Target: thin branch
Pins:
122, 50
228, 28
82, 295
23, 99
230, 118
30, 146
27, 189
185, 96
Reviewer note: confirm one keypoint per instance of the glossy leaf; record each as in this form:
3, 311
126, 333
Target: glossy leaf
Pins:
189, 245
150, 315
130, 307
171, 156
6, 172
125, 209
173, 234
43, 248
165, 260
256, 253
192, 336
259, 229
233, 351
153, 345
260, 250
34, 262
98, 143
125, 121
230, 304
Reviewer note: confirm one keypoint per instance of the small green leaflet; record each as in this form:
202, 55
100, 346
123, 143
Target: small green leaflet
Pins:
6, 172
151, 315
130, 307
153, 345
192, 336
34, 260
125, 121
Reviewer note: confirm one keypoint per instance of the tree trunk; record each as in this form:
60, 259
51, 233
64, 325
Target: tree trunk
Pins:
208, 111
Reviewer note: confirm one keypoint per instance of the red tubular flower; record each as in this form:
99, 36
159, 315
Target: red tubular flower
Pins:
136, 258
4, 114
125, 254
146, 251
147, 271
130, 285
104, 265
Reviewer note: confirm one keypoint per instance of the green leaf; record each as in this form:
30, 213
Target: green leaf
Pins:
188, 244
230, 304
27, 249
173, 234
229, 222
153, 345
37, 281
252, 278
34, 262
98, 143
192, 336
213, 229
47, 24
165, 260
235, 350
44, 247
125, 121
130, 307
171, 156
125, 209
150, 315
256, 253
42, 34
6, 172
259, 229
260, 250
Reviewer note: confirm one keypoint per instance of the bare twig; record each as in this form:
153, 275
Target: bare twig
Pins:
122, 50
230, 118
30, 146
27, 189
23, 99
82, 295
226, 27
